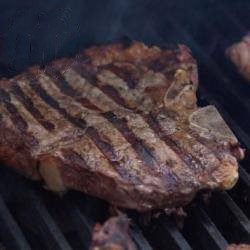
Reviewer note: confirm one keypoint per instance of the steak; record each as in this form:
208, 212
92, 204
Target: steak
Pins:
120, 123
239, 55
113, 235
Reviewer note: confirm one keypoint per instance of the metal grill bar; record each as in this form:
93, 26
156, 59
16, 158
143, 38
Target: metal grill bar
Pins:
234, 224
231, 19
31, 214
178, 241
41, 223
164, 234
245, 178
10, 233
241, 192
139, 239
199, 226
82, 224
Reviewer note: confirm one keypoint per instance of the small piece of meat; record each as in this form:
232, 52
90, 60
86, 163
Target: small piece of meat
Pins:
119, 123
239, 54
238, 247
113, 235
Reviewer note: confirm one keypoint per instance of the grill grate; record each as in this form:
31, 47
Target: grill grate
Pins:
32, 218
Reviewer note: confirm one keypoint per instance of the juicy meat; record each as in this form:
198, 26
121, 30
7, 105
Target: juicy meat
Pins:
239, 54
113, 235
120, 123
238, 247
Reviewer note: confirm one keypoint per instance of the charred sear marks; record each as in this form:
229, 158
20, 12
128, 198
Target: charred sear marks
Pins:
103, 145
74, 158
187, 158
108, 151
107, 89
28, 104
139, 146
123, 72
59, 80
79, 122
16, 118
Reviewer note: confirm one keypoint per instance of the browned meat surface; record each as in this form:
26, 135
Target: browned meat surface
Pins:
113, 235
120, 123
239, 54
238, 247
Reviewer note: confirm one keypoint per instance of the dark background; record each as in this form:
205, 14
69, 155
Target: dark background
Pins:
35, 32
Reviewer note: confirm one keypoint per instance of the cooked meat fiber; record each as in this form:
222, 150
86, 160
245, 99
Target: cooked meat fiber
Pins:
113, 235
239, 54
238, 247
120, 123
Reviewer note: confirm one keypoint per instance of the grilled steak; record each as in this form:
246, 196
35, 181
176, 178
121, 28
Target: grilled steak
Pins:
239, 54
120, 123
238, 247
113, 235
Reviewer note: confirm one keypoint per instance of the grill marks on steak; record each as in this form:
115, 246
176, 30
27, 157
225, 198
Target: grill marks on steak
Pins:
107, 89
27, 102
16, 118
93, 120
143, 151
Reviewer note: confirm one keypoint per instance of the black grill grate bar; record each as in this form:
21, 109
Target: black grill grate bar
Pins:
31, 213
239, 217
203, 227
45, 225
245, 178
10, 233
234, 224
241, 192
139, 239
229, 16
210, 47
82, 224
178, 240
41, 222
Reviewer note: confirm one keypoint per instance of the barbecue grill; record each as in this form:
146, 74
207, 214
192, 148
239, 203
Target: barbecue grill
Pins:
33, 218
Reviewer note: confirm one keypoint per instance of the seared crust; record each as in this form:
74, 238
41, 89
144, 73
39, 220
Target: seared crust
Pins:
118, 123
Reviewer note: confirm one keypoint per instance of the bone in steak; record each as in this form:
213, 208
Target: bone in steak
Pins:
113, 235
239, 55
120, 123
